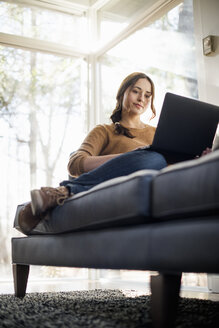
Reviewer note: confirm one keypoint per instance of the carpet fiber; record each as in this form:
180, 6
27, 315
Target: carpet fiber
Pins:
98, 309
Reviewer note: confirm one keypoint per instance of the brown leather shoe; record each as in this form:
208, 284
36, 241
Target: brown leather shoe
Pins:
26, 220
46, 198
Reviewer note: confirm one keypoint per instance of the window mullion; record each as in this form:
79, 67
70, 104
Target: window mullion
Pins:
56, 5
40, 45
94, 75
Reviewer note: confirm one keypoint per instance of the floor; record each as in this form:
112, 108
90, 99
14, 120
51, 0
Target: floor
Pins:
55, 279
55, 285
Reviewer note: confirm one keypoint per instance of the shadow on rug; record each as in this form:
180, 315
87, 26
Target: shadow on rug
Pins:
98, 309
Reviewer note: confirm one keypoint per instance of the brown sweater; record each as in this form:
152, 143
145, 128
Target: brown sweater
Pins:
102, 140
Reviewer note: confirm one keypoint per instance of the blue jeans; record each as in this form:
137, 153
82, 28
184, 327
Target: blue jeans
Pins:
124, 164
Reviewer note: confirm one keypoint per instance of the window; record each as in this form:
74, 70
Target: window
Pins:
43, 110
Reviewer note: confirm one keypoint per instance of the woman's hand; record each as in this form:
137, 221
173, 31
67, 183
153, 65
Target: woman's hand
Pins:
92, 162
206, 151
142, 147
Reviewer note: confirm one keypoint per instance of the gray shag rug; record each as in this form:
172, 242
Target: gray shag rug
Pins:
98, 309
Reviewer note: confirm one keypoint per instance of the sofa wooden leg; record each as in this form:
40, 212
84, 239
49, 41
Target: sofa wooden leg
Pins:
164, 300
20, 274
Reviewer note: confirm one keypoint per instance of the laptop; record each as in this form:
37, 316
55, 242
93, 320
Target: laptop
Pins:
185, 128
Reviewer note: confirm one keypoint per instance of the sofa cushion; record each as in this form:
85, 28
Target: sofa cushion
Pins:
188, 188
120, 201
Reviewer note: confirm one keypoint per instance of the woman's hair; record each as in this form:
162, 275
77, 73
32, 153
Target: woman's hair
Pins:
116, 116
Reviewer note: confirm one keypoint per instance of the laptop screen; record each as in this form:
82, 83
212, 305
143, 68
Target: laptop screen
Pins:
186, 126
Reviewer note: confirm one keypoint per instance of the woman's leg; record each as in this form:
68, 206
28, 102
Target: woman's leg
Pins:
119, 166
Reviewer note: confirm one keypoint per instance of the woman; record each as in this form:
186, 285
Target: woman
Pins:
107, 152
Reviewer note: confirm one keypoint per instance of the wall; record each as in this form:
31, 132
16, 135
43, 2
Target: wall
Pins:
206, 22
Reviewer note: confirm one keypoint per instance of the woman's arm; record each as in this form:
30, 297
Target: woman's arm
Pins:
88, 157
93, 162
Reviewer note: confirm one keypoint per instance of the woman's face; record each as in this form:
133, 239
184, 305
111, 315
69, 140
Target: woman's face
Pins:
137, 97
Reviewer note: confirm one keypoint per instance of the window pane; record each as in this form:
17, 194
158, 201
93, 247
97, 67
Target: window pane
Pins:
42, 120
116, 15
164, 50
43, 24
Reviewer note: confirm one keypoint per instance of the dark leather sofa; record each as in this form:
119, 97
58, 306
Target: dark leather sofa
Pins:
166, 221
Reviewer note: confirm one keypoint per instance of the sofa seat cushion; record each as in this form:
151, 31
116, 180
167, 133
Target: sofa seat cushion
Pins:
188, 188
120, 201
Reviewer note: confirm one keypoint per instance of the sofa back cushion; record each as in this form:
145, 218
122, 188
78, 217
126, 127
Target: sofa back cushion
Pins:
187, 189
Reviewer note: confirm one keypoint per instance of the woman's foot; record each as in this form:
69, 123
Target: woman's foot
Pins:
26, 220
46, 198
